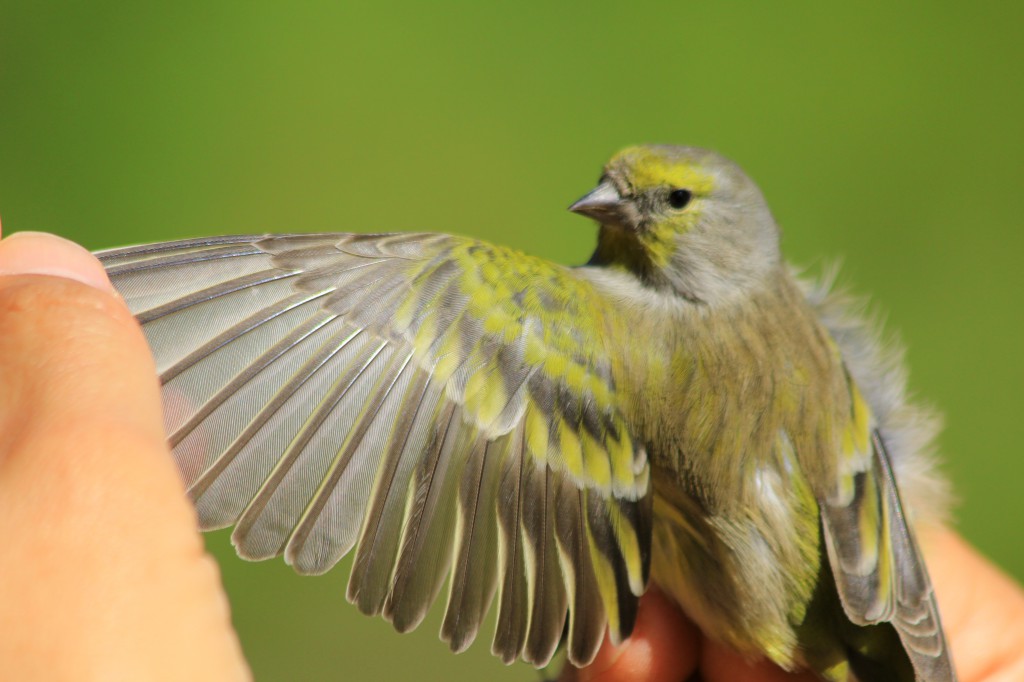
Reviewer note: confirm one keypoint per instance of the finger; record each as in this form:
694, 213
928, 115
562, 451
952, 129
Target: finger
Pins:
104, 574
982, 609
662, 648
43, 254
64, 342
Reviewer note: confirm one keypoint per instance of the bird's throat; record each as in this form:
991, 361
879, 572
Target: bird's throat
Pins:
620, 248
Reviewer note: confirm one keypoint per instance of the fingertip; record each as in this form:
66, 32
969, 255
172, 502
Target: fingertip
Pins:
38, 253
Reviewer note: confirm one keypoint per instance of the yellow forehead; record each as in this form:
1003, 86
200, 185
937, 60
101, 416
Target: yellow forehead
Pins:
648, 168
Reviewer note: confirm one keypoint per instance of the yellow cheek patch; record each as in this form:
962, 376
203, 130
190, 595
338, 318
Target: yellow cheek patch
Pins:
660, 240
649, 168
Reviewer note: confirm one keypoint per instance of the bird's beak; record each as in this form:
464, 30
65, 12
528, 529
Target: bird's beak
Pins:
603, 204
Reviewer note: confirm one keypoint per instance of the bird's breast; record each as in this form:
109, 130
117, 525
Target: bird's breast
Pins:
723, 388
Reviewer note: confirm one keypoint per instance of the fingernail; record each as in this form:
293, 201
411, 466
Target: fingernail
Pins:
38, 253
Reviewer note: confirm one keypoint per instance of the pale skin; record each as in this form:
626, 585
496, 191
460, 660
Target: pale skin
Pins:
105, 575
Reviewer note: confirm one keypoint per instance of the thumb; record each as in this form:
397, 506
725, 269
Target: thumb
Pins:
104, 574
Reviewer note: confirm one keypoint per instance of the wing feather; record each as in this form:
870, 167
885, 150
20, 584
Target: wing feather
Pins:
586, 609
878, 569
380, 537
424, 557
206, 434
549, 601
474, 574
324, 533
285, 482
181, 360
513, 615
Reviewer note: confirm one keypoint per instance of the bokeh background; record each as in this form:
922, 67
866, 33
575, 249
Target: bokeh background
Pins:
891, 135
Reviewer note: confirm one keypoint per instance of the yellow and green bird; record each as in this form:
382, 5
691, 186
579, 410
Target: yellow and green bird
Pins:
681, 410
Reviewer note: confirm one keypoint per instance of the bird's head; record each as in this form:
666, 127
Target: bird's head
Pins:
683, 218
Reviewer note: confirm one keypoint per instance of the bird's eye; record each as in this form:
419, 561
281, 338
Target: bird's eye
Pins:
679, 198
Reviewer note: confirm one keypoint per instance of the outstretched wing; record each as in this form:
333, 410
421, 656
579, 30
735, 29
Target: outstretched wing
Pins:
875, 559
441, 405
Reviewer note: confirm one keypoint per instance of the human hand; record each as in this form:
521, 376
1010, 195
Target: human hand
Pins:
104, 572
982, 611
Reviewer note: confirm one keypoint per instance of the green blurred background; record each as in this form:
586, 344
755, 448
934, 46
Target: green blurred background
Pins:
892, 136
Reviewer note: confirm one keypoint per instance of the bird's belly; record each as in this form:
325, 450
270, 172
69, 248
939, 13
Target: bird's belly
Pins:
687, 565
735, 591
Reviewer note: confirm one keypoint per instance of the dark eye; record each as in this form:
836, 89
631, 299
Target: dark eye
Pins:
679, 198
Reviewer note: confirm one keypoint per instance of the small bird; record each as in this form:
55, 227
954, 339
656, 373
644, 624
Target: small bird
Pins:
681, 410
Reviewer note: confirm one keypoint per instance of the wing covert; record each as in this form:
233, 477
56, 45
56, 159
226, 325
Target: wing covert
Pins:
439, 405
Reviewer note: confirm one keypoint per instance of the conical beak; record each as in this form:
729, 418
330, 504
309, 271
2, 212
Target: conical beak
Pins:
602, 203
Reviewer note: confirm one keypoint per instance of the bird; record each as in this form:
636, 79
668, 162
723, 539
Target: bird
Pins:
684, 410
